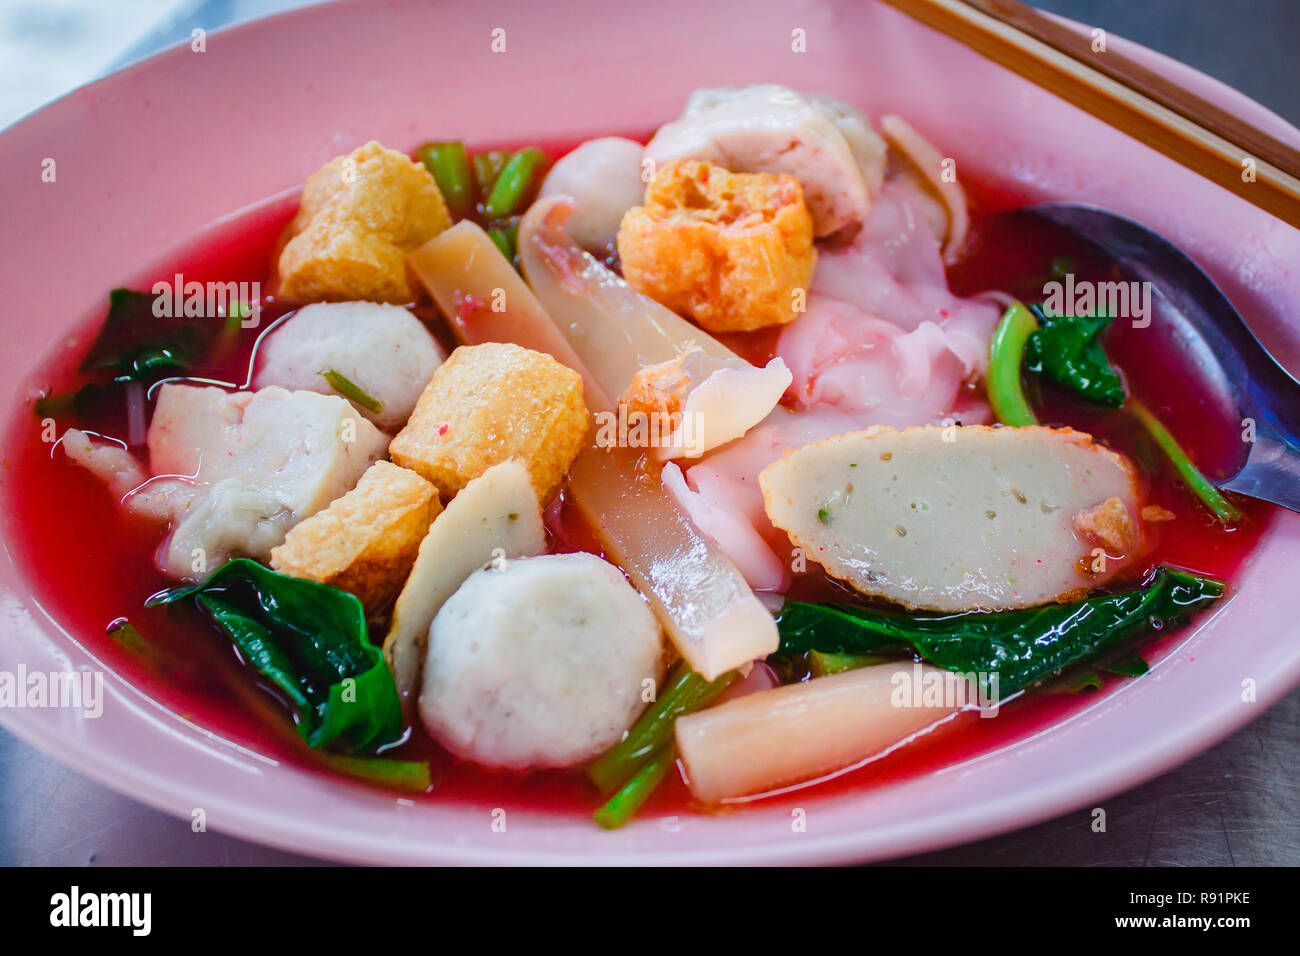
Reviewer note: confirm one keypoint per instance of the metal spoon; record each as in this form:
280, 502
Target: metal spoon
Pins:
1215, 339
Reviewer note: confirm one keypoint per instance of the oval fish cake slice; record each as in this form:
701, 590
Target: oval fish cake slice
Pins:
961, 518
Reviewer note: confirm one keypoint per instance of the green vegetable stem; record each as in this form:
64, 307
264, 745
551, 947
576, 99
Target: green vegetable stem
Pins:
1006, 355
1213, 499
631, 770
487, 167
824, 664
450, 168
352, 391
410, 776
686, 691
506, 237
514, 184
619, 808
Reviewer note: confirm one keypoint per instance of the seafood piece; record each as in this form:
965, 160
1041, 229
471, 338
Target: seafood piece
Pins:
494, 517
383, 350
544, 662
773, 129
759, 742
603, 177
952, 519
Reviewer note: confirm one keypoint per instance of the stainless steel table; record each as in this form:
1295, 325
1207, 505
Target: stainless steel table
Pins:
1237, 804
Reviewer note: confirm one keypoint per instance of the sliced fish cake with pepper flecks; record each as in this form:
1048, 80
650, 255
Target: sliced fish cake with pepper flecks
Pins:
953, 519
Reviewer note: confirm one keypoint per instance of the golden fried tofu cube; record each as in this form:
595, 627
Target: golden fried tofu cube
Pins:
366, 541
360, 215
732, 251
487, 404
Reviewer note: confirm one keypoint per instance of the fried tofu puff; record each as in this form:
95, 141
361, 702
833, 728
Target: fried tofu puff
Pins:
366, 541
360, 215
487, 404
731, 251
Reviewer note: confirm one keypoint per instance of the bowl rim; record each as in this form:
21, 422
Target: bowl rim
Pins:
1043, 799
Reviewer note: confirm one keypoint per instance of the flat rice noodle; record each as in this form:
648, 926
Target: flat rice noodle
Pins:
883, 341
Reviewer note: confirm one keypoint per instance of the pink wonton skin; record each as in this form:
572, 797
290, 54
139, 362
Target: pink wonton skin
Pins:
883, 342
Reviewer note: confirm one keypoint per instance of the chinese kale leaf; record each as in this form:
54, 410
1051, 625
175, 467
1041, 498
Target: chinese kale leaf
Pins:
1021, 647
309, 640
1068, 350
136, 344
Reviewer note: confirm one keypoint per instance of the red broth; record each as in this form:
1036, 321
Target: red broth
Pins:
89, 564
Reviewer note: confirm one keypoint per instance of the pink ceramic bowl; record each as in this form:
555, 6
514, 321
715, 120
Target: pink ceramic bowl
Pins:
149, 158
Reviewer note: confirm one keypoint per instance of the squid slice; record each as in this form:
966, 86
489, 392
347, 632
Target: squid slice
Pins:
616, 332
703, 602
724, 406
787, 735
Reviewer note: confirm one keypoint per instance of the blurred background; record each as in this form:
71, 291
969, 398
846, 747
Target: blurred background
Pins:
48, 47
1237, 804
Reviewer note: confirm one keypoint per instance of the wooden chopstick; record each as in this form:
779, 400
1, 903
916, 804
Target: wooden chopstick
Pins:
1123, 94
1150, 84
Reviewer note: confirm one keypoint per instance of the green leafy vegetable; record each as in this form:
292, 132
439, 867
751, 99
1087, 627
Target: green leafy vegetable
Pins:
310, 641
1132, 665
352, 391
51, 406
450, 168
1006, 355
1021, 647
96, 407
1067, 349
1213, 499
686, 691
516, 181
137, 344
1086, 678
1089, 678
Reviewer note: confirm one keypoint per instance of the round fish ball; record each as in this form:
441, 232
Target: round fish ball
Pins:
604, 177
382, 349
541, 663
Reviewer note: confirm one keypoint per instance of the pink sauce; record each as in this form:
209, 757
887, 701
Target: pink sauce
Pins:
89, 564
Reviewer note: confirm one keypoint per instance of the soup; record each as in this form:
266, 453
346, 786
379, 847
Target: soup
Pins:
594, 557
